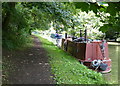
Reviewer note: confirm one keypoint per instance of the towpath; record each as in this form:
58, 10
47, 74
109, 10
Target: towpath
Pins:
31, 66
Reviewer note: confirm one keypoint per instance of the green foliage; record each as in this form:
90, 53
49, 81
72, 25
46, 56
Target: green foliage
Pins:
67, 69
84, 6
16, 34
113, 8
17, 41
20, 18
104, 28
86, 21
114, 20
94, 7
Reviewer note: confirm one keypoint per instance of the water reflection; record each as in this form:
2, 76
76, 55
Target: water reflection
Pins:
113, 54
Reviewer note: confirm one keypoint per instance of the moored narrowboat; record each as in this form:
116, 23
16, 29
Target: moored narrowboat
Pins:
93, 54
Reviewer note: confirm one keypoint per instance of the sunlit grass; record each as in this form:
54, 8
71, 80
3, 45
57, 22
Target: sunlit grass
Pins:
67, 69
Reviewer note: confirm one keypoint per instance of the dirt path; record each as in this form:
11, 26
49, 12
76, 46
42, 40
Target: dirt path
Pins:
32, 66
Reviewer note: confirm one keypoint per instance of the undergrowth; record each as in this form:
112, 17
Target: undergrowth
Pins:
11, 41
67, 69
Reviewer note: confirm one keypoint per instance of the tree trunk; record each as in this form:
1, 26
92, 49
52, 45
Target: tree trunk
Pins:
73, 28
30, 31
6, 21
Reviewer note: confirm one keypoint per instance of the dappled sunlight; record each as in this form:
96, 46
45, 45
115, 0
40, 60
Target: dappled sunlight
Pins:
28, 66
81, 22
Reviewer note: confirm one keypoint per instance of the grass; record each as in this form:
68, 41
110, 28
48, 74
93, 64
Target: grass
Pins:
67, 69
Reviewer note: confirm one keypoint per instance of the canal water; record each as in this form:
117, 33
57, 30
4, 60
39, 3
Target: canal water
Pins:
112, 77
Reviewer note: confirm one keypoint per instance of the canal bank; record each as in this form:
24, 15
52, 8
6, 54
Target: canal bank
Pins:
114, 43
111, 77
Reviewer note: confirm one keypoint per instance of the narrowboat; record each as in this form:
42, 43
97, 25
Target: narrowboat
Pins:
91, 53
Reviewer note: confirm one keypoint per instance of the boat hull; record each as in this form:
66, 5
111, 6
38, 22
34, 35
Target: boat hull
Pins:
86, 53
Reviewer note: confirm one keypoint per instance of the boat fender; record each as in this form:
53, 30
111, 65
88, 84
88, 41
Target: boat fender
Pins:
103, 66
95, 63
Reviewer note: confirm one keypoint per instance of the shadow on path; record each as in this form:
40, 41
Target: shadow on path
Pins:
32, 66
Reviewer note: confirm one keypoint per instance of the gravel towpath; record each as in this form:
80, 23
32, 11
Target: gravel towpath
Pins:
31, 66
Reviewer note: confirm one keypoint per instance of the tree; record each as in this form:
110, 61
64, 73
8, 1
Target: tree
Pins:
112, 22
15, 27
7, 11
19, 19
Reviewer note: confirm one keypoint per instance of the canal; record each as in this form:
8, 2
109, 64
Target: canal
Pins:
112, 77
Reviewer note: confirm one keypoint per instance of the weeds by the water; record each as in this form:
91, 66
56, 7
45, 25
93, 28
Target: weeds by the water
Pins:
67, 69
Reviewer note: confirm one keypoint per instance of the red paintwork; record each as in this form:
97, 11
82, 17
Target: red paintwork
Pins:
87, 52
93, 52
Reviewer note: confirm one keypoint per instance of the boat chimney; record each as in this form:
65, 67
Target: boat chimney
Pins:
65, 35
80, 33
85, 34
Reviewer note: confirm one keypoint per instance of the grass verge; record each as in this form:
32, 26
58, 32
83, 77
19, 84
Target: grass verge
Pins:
67, 69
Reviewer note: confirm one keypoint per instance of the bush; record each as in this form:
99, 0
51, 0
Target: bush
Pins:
14, 40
